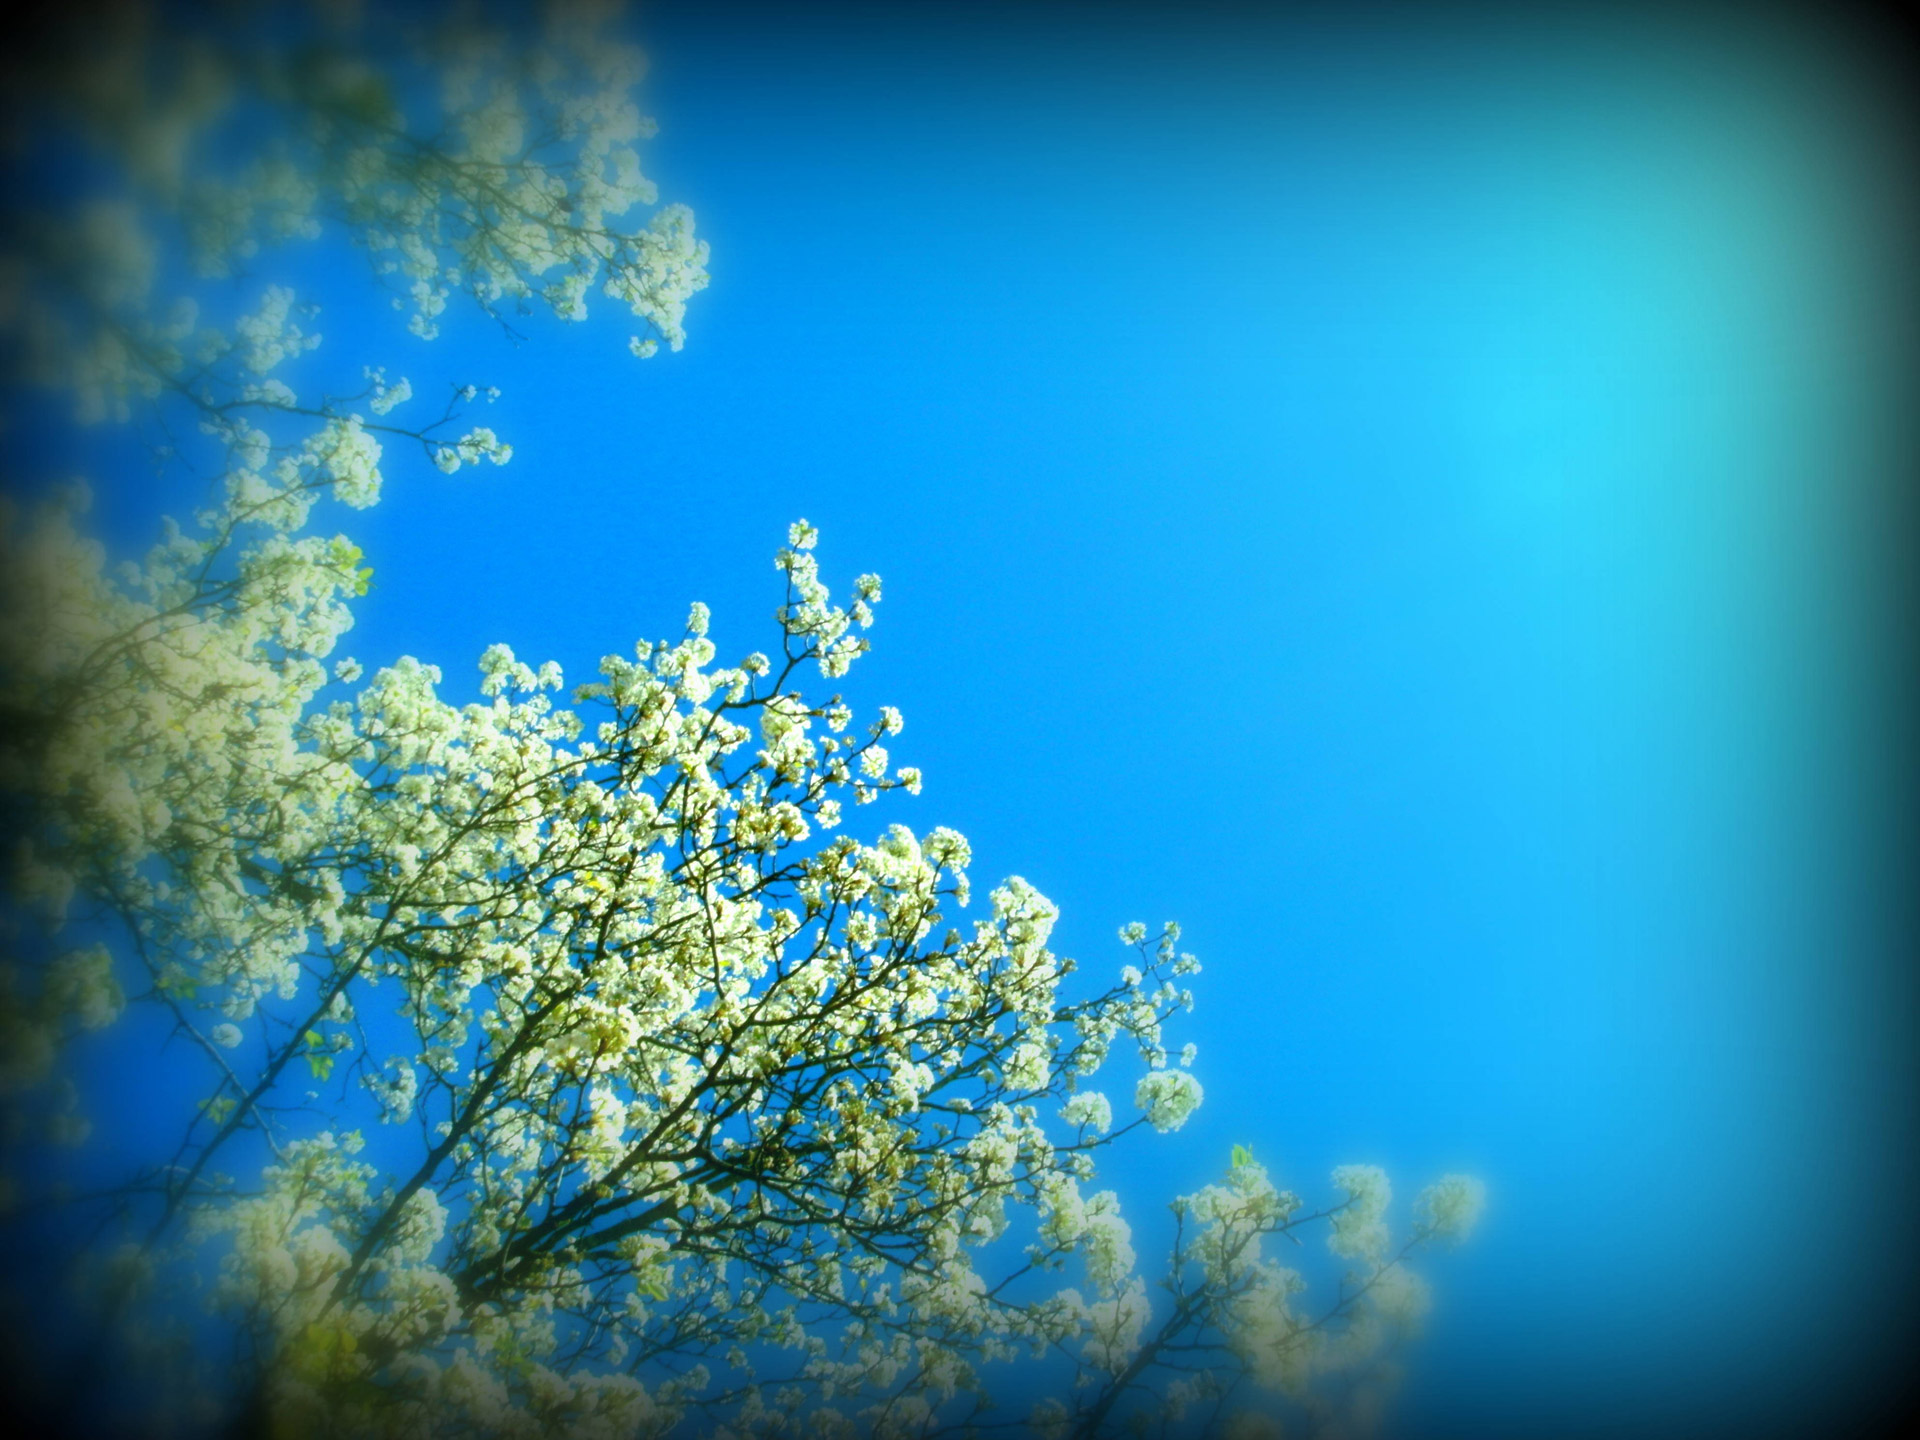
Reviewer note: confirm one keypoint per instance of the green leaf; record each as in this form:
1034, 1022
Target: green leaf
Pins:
319, 1054
1242, 1156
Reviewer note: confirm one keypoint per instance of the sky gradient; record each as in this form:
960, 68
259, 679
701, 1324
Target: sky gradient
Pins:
1407, 497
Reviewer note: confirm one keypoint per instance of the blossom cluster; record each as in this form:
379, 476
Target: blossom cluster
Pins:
674, 1045
497, 160
678, 1046
568, 1065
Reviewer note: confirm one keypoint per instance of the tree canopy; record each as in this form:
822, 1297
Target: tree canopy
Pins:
566, 1063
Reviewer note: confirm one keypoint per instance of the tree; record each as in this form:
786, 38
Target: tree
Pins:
564, 1068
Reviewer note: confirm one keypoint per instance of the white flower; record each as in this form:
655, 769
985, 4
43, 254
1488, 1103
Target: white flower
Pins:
480, 443
386, 396
226, 1035
1089, 1108
1115, 1327
1359, 1227
1108, 1242
1168, 1097
1449, 1208
1027, 1067
1050, 1420
1400, 1296
395, 1090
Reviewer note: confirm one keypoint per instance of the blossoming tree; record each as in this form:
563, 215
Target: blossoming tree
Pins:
652, 1094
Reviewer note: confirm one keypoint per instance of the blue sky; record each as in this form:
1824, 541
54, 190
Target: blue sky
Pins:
1395, 494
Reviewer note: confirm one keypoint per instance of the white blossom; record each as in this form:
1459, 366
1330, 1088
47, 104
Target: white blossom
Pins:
1089, 1108
1168, 1097
668, 1058
1450, 1208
